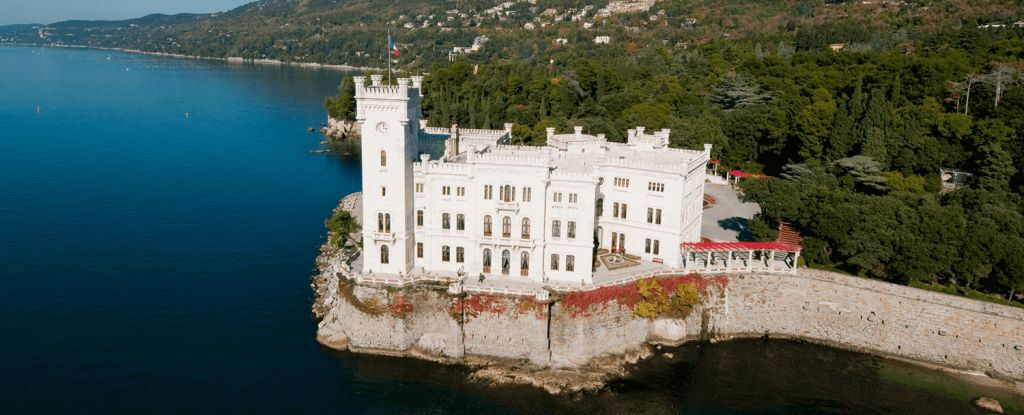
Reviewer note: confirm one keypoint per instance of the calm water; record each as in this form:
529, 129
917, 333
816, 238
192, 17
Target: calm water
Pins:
158, 263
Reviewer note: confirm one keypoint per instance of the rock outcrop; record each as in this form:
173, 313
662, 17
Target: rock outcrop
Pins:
340, 129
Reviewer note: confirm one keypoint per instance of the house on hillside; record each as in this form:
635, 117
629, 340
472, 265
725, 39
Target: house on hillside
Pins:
599, 40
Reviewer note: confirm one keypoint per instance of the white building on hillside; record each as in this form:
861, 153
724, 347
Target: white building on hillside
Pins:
465, 201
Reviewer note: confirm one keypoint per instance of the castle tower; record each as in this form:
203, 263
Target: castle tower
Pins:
389, 116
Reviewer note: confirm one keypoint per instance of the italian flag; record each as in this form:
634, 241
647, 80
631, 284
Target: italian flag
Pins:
392, 47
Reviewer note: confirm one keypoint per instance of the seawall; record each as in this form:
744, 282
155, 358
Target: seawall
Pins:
577, 341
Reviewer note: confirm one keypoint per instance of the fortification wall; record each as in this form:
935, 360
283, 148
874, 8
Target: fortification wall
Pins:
878, 317
581, 328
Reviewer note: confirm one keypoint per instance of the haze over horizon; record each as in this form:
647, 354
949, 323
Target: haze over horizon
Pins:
51, 11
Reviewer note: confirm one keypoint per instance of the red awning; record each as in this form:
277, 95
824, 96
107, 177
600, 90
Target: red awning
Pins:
713, 161
738, 246
743, 174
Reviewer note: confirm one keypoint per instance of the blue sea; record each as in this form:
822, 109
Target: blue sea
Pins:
159, 221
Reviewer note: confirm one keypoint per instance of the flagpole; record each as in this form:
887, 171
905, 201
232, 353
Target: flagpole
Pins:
387, 55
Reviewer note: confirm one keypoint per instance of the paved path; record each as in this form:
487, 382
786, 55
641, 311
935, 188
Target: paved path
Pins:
728, 220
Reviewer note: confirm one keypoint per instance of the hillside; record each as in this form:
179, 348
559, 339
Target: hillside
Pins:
353, 31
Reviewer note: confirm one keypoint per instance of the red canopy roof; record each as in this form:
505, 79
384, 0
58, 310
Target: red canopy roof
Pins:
739, 246
713, 161
740, 173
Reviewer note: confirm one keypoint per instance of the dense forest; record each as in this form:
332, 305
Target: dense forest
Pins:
853, 141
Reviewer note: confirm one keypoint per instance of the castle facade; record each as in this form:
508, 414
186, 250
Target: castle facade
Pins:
456, 201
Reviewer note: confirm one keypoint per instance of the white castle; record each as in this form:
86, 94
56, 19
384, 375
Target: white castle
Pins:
467, 202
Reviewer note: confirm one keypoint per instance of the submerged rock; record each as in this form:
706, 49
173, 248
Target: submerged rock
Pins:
989, 404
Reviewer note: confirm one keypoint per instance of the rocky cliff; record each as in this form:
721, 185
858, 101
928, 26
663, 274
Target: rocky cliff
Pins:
578, 341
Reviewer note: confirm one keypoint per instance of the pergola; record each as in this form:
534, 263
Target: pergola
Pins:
702, 257
736, 175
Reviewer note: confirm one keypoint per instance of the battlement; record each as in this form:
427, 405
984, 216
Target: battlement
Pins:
438, 166
405, 89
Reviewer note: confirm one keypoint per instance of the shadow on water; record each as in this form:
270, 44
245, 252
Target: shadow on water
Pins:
738, 224
741, 376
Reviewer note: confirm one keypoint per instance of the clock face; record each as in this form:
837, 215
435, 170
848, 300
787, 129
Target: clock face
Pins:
382, 127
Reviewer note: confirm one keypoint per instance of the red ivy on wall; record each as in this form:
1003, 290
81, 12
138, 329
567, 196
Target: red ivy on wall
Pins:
579, 303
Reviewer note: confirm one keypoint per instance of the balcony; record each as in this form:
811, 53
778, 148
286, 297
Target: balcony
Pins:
511, 206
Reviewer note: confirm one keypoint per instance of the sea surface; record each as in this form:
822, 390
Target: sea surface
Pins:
159, 221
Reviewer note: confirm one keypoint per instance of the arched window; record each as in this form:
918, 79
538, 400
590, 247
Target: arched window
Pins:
506, 262
460, 222
506, 227
623, 211
419, 218
570, 263
524, 263
460, 254
380, 222
526, 228
383, 158
487, 225
446, 221
570, 230
384, 258
556, 229
487, 260
554, 262
387, 222
446, 253
615, 209
600, 207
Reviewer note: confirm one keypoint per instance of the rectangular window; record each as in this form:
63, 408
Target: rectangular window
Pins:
383, 191
570, 263
446, 254
419, 249
419, 218
419, 187
556, 229
615, 209
554, 262
570, 230
623, 211
621, 182
527, 194
557, 197
656, 243
446, 190
655, 187
650, 215
460, 223
460, 255
460, 191
657, 217
573, 198
647, 245
446, 221
488, 192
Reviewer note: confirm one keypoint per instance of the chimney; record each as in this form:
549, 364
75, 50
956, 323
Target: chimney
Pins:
551, 131
424, 158
631, 134
451, 147
376, 79
578, 130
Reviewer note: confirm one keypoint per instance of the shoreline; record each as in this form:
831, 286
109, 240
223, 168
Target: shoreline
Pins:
230, 59
589, 374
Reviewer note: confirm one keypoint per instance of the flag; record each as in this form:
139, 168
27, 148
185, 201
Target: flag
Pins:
392, 47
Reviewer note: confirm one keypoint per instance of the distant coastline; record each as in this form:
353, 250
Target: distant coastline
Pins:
230, 59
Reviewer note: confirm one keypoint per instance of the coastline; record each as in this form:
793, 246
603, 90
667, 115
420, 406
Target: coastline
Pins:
745, 307
230, 59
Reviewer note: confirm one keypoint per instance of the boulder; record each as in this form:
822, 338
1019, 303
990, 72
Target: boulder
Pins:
989, 404
667, 331
331, 336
